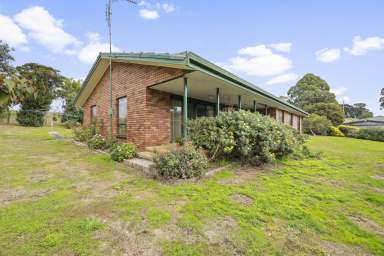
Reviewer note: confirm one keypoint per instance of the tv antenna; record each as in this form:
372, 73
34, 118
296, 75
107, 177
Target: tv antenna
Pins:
108, 16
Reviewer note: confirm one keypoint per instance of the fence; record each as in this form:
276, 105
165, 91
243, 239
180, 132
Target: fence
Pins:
50, 118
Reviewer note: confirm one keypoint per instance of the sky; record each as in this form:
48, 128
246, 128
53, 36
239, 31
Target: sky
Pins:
269, 43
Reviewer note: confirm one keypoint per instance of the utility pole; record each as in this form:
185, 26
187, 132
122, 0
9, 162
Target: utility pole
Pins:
108, 15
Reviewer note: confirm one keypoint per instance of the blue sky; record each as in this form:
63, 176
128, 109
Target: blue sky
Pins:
270, 43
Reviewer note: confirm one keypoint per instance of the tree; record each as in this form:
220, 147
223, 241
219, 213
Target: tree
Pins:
357, 110
381, 100
47, 82
312, 94
332, 111
5, 58
316, 125
68, 93
13, 88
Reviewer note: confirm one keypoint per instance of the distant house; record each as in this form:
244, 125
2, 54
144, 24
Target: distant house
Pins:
374, 122
154, 95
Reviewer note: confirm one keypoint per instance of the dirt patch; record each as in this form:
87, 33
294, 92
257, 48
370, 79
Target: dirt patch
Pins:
20, 195
218, 231
367, 225
40, 177
248, 173
378, 177
341, 249
241, 199
95, 191
120, 238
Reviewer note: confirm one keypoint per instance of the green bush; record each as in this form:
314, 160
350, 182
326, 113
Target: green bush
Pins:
243, 135
349, 131
184, 163
30, 118
82, 134
316, 125
334, 131
376, 134
97, 142
119, 152
69, 124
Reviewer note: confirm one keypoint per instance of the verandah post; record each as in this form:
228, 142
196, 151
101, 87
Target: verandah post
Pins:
254, 106
185, 110
239, 102
217, 101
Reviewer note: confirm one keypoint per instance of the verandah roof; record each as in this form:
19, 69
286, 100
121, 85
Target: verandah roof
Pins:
186, 61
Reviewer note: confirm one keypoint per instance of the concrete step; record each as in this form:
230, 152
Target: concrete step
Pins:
146, 155
143, 165
162, 148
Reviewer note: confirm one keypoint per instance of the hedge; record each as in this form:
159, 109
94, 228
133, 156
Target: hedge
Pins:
243, 135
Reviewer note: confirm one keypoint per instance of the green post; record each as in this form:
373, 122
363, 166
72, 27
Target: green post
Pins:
185, 110
217, 101
239, 102
254, 106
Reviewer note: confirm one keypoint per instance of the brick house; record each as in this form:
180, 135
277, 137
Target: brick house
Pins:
153, 95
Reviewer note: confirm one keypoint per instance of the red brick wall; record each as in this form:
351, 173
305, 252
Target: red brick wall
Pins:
295, 119
148, 121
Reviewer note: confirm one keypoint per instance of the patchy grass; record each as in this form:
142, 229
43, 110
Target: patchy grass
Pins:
58, 198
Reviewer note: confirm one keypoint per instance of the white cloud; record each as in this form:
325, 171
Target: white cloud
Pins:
289, 77
258, 60
362, 46
328, 55
339, 91
89, 52
11, 33
149, 14
258, 50
47, 30
152, 11
340, 94
282, 47
168, 8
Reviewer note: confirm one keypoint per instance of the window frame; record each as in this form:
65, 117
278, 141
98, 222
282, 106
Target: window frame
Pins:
93, 117
119, 124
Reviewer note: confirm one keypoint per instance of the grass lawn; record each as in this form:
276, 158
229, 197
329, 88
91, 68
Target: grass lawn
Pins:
62, 199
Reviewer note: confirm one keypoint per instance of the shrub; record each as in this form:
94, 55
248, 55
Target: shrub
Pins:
119, 152
349, 131
69, 124
30, 118
316, 125
243, 135
370, 134
334, 131
183, 163
82, 134
97, 142
304, 152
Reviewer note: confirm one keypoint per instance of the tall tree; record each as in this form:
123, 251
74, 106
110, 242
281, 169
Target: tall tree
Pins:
12, 88
381, 100
70, 89
357, 110
47, 82
5, 58
312, 94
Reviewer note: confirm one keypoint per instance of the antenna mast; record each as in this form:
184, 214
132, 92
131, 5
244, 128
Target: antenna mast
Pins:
108, 16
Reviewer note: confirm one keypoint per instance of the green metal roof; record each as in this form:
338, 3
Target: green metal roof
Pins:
191, 61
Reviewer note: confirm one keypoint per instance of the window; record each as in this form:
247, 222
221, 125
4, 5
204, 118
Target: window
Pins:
93, 114
279, 115
291, 119
122, 117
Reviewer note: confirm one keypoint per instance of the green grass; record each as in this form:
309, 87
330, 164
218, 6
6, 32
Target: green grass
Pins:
59, 198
